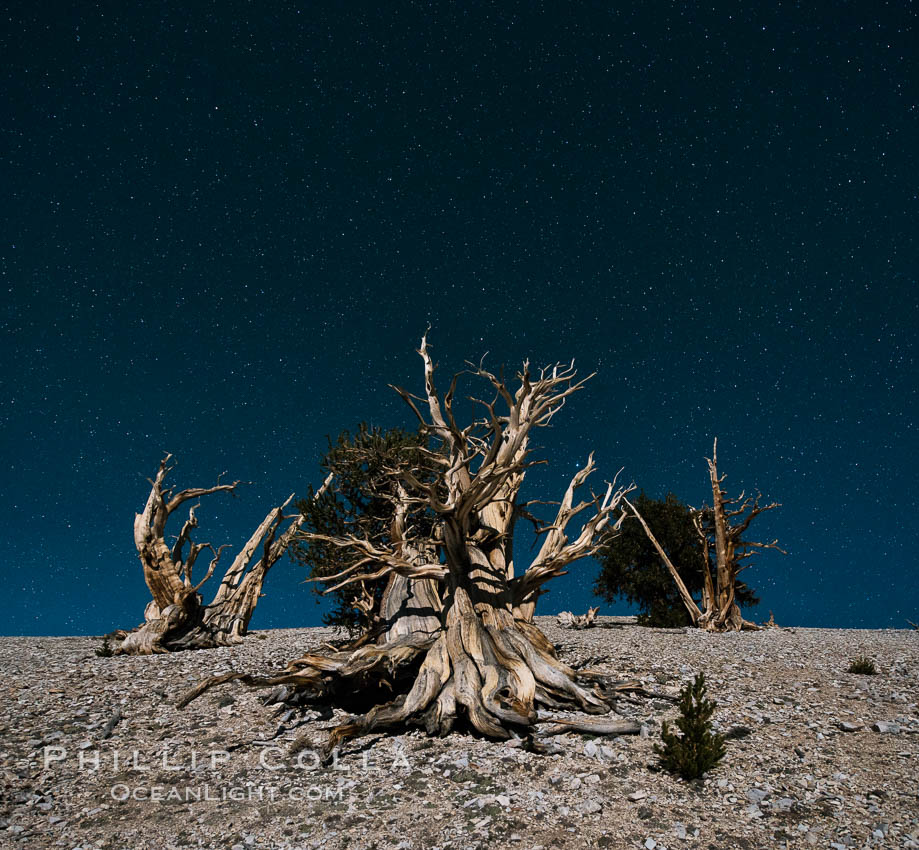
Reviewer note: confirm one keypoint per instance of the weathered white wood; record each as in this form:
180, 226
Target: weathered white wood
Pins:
177, 617
591, 725
722, 526
567, 620
453, 610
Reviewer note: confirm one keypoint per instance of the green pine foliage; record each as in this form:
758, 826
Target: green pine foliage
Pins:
630, 567
698, 749
365, 464
105, 651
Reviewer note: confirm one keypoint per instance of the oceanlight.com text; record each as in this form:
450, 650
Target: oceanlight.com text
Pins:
327, 794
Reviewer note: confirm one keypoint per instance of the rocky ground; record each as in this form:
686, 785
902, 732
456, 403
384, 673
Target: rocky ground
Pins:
93, 754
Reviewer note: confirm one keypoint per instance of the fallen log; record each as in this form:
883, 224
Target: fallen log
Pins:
567, 620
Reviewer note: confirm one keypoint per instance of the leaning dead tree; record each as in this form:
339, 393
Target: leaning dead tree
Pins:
721, 529
177, 618
456, 641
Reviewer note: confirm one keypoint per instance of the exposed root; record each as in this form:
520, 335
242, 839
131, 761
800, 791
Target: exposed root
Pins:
492, 677
612, 688
591, 725
315, 676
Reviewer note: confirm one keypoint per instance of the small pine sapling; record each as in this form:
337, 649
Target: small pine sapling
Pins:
698, 749
105, 651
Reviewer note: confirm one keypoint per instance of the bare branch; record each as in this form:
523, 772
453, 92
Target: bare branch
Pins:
212, 566
197, 493
557, 550
685, 595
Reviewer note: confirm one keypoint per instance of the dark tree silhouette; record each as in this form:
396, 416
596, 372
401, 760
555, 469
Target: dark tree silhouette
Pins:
365, 467
457, 641
726, 551
631, 568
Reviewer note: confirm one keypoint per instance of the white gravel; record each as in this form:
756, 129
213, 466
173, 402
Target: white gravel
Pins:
217, 775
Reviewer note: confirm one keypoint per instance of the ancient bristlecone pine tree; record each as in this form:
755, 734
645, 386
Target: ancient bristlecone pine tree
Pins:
177, 618
721, 529
457, 639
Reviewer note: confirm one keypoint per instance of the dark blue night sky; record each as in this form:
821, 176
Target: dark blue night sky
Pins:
225, 227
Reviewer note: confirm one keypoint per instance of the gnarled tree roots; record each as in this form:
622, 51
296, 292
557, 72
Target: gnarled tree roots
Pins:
490, 673
460, 645
188, 624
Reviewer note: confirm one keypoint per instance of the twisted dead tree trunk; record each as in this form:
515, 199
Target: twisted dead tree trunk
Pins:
177, 617
407, 606
363, 501
461, 644
721, 528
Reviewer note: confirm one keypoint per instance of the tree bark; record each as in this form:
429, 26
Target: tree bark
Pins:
724, 524
567, 620
716, 527
177, 617
459, 644
724, 615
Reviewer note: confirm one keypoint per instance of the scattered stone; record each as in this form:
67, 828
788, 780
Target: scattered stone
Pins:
113, 721
462, 790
